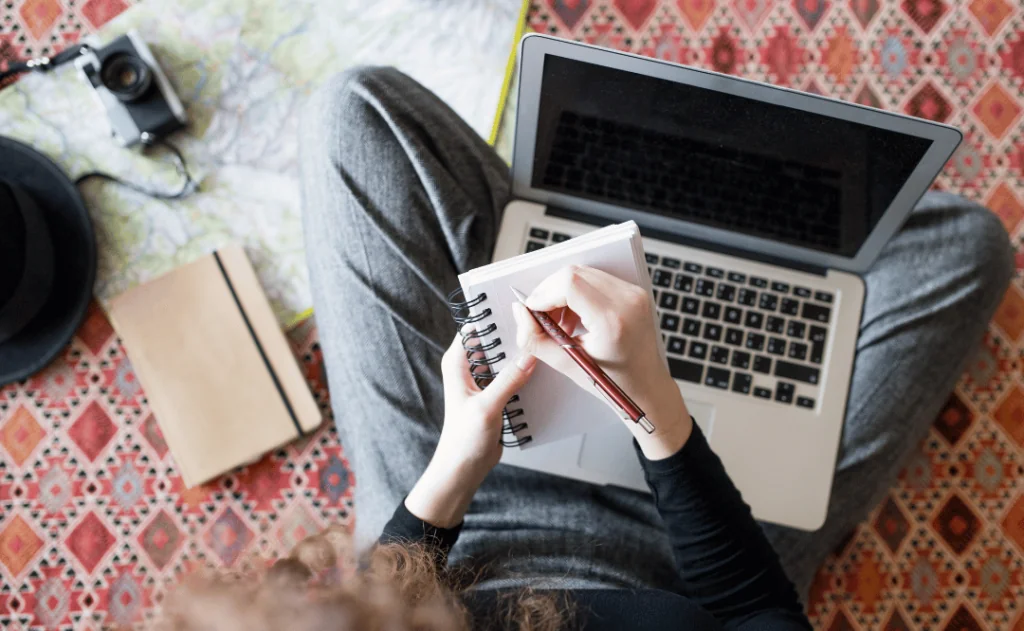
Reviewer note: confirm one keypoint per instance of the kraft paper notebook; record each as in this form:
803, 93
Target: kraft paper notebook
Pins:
550, 406
216, 368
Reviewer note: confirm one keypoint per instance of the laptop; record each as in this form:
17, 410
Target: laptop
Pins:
760, 207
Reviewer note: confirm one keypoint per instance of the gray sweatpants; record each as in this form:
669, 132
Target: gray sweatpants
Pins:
400, 196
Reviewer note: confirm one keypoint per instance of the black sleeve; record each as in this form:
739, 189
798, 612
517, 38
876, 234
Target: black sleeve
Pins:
406, 528
725, 562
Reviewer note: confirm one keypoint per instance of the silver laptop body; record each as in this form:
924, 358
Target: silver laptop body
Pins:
760, 206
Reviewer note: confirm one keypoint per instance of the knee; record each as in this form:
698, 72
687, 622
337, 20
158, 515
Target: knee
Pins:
986, 249
339, 107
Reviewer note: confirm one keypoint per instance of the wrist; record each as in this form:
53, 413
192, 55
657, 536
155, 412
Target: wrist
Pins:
672, 425
443, 494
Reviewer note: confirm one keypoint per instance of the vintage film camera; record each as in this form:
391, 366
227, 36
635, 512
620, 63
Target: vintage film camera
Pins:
139, 100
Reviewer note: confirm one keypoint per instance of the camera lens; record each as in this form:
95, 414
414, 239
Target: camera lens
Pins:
127, 76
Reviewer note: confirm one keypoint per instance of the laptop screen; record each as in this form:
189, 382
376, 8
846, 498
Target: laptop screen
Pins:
717, 159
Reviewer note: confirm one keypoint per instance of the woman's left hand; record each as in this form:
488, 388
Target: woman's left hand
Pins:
470, 443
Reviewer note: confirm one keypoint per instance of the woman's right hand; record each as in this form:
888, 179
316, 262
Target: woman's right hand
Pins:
620, 336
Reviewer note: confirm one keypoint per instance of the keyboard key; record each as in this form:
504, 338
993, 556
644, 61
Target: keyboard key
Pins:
784, 392
815, 312
719, 355
691, 327
676, 345
693, 268
733, 315
789, 306
798, 350
776, 346
755, 341
717, 378
805, 402
669, 300
762, 393
741, 382
715, 272
685, 370
712, 331
762, 364
726, 292
773, 324
661, 278
753, 320
796, 329
670, 322
760, 283
655, 292
683, 283
823, 296
558, 237
736, 277
747, 297
711, 310
652, 259
698, 350
690, 305
704, 287
787, 370
768, 302
734, 337
533, 246
817, 338
538, 233
782, 288
740, 359
671, 263
802, 292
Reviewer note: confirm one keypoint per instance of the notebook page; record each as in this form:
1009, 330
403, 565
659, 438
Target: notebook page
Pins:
554, 406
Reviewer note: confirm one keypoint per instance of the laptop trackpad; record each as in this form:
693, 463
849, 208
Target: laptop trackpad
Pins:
609, 450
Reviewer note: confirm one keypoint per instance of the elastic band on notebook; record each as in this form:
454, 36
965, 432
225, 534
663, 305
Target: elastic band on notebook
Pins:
259, 347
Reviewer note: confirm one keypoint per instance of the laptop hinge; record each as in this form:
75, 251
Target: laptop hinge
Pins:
654, 233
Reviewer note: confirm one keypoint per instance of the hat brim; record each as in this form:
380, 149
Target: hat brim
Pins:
74, 248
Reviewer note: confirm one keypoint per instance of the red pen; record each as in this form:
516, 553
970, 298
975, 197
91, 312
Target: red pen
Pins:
604, 384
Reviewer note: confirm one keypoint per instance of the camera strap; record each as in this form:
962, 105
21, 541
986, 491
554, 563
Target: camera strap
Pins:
187, 188
46, 64
42, 64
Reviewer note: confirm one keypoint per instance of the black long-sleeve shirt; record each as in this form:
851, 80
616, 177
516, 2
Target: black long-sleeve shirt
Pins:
730, 575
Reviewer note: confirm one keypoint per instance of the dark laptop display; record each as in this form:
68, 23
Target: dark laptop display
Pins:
717, 159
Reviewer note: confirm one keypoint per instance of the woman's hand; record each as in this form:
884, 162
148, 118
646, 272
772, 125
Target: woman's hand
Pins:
620, 336
470, 443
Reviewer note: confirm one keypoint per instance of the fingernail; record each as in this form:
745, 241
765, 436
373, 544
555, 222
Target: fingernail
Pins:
525, 361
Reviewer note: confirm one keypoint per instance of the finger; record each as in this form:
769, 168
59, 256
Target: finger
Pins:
455, 370
569, 321
531, 339
510, 379
568, 287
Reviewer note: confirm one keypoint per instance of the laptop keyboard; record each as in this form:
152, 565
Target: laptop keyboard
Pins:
723, 329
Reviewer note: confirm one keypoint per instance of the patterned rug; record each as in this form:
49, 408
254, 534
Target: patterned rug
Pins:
93, 517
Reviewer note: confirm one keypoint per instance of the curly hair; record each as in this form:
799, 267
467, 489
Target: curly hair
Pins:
322, 586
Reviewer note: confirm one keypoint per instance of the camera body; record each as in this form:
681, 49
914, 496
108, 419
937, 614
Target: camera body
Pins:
135, 92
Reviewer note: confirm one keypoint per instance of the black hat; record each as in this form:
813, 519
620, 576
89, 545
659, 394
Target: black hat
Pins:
47, 260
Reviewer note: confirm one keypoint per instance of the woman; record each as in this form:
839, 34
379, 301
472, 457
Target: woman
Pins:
400, 196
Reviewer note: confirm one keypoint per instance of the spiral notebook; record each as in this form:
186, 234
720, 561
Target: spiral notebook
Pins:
550, 406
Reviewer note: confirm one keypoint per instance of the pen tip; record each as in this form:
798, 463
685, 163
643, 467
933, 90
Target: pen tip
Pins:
518, 294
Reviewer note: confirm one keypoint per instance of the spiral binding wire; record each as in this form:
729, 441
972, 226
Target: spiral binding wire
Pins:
480, 365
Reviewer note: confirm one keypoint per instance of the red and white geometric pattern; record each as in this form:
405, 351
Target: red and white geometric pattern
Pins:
94, 520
